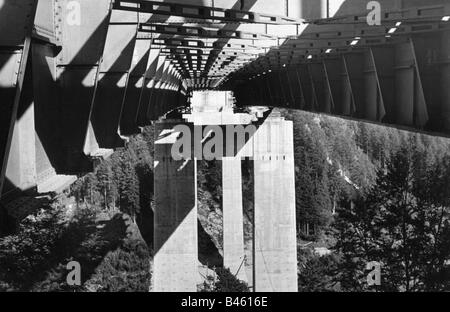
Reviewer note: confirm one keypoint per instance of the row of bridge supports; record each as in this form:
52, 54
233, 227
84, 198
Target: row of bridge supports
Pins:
74, 81
405, 84
274, 238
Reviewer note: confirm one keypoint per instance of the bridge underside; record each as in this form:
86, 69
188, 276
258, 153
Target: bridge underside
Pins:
79, 77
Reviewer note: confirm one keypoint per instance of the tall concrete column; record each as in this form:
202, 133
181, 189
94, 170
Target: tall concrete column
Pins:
175, 217
275, 217
233, 221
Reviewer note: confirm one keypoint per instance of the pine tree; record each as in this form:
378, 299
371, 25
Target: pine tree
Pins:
396, 225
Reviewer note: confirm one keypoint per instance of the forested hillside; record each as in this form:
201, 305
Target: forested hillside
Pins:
364, 193
371, 193
96, 224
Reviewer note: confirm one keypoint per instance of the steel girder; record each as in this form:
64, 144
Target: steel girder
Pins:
112, 83
381, 84
16, 21
225, 32
198, 12
202, 32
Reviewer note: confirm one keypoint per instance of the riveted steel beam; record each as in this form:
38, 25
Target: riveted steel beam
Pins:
202, 32
196, 12
195, 43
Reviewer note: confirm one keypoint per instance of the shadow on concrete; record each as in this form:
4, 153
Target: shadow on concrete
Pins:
107, 107
181, 185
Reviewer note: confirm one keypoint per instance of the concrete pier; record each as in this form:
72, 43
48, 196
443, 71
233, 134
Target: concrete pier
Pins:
175, 220
275, 216
21, 169
233, 223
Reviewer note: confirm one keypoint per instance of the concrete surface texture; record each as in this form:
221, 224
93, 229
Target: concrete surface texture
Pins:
233, 221
275, 215
175, 240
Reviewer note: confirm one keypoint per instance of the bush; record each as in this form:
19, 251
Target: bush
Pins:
317, 274
225, 282
126, 269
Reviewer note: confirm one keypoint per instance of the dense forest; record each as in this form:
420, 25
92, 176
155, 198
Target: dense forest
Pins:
371, 193
364, 193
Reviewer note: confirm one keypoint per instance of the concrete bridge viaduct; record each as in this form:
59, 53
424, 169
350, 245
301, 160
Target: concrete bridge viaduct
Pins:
77, 77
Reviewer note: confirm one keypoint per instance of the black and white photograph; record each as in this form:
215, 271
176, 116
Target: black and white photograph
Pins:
243, 147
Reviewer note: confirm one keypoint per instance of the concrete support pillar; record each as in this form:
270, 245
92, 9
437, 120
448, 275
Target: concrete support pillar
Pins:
21, 169
308, 9
275, 216
233, 221
175, 239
